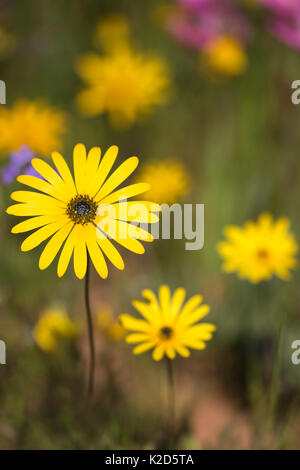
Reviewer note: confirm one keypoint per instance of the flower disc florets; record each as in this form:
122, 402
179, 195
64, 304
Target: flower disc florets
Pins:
82, 209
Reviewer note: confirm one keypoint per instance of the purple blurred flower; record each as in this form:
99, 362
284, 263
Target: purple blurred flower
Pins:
19, 163
199, 22
284, 22
282, 6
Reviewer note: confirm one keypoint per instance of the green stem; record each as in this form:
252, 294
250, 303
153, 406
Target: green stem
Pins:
90, 330
275, 382
171, 400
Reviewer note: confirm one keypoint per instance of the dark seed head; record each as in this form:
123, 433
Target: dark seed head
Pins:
166, 332
82, 209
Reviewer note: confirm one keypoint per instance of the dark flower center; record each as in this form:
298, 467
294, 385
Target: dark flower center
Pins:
262, 254
166, 332
82, 209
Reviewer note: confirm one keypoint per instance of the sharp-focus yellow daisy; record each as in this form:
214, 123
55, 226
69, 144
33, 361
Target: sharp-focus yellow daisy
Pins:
168, 327
225, 56
31, 123
53, 326
169, 181
260, 249
124, 84
82, 214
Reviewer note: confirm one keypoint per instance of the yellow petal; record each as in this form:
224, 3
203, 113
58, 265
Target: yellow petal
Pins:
104, 169
42, 234
40, 185
37, 199
131, 323
138, 211
143, 309
182, 350
202, 331
64, 171
143, 347
79, 163
33, 223
47, 172
164, 300
111, 252
191, 305
177, 301
80, 254
194, 344
194, 316
126, 193
97, 257
66, 252
53, 246
92, 164
124, 234
158, 352
24, 210
170, 351
119, 175
136, 338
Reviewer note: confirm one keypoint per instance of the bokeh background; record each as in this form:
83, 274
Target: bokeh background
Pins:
236, 135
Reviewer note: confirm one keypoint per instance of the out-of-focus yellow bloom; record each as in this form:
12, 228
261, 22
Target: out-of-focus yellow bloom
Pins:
31, 123
225, 56
112, 32
169, 181
111, 328
52, 328
260, 249
124, 84
168, 327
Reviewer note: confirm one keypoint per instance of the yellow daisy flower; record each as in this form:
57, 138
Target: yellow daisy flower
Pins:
31, 123
72, 210
109, 326
260, 249
226, 56
124, 84
53, 326
169, 181
168, 327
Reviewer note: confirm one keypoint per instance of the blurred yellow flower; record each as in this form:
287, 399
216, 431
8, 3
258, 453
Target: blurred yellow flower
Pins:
52, 328
31, 123
124, 84
112, 32
111, 327
72, 211
225, 56
168, 326
260, 249
169, 181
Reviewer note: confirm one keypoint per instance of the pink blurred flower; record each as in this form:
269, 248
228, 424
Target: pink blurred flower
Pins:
281, 6
284, 22
198, 22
